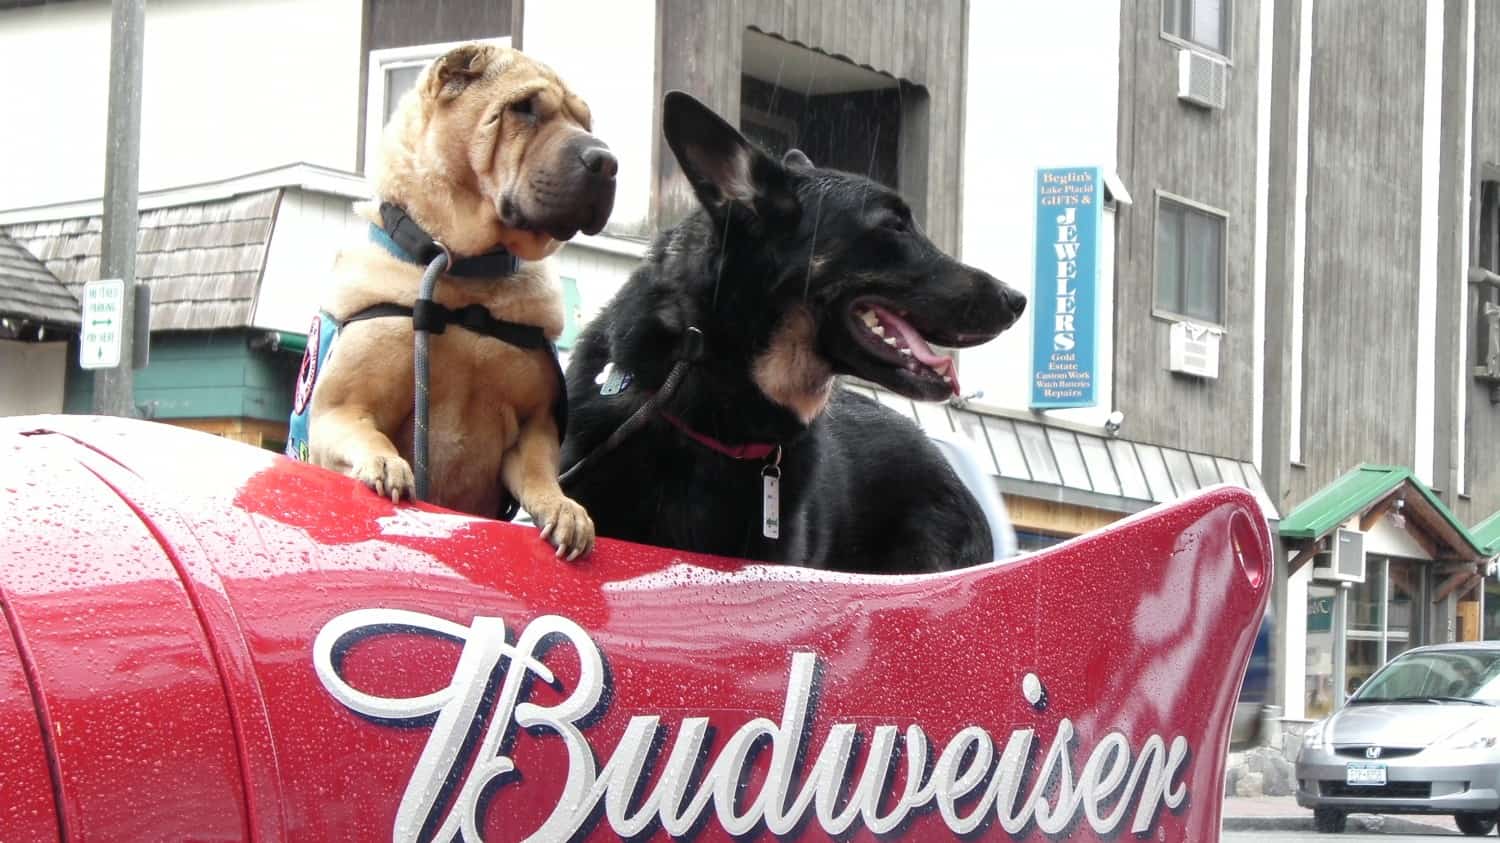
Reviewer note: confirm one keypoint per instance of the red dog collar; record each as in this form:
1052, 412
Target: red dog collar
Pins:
751, 451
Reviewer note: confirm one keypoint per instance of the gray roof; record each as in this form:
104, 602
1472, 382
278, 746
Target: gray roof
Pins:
1073, 466
203, 260
28, 290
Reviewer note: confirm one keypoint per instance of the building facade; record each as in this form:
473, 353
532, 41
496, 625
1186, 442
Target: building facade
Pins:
1297, 277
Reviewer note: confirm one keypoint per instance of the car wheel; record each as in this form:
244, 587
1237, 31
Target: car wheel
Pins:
1474, 825
1329, 820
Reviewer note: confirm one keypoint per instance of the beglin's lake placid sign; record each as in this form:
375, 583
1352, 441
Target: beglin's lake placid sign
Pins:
1069, 214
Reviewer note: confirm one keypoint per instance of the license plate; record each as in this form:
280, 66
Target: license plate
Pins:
1364, 774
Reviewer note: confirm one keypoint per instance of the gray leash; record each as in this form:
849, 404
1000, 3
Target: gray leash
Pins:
692, 348
423, 375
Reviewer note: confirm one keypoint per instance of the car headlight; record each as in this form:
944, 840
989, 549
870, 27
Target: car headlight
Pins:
1317, 736
1472, 736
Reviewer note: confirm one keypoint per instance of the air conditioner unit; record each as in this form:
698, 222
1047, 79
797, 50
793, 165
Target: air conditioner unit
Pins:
1193, 350
1201, 79
1345, 561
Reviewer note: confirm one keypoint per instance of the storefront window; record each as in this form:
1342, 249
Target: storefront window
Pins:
1385, 618
1491, 610
1319, 680
1027, 540
1367, 621
1404, 627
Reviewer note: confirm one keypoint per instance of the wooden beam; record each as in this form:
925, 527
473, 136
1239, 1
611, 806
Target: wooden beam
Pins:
1419, 535
1475, 581
1452, 584
1381, 507
1438, 528
1303, 557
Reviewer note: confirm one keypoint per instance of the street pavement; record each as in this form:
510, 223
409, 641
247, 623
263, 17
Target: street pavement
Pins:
1279, 818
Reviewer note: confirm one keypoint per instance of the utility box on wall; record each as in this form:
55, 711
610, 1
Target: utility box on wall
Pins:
1345, 561
1193, 350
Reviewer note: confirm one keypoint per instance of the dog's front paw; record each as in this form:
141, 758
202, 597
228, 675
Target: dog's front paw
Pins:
387, 476
567, 526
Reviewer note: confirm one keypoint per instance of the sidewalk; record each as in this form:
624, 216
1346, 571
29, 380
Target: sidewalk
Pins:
1281, 813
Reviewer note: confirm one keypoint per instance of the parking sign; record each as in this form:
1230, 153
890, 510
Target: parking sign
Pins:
103, 323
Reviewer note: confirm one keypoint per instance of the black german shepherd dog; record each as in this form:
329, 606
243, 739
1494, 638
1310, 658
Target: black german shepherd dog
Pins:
793, 275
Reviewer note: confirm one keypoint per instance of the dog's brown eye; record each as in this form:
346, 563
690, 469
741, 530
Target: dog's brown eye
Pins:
524, 107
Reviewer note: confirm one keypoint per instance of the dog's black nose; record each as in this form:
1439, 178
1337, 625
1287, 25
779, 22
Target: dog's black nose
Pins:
1015, 300
599, 161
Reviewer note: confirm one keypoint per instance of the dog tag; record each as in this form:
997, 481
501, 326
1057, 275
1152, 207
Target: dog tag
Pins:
614, 380
770, 507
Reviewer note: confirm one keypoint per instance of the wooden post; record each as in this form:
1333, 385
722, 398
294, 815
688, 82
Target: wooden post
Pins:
114, 389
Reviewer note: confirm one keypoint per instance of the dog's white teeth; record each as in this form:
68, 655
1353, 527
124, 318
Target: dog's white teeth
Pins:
890, 340
878, 329
947, 379
906, 351
870, 318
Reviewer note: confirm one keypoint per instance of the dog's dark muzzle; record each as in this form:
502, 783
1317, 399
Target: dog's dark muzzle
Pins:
979, 308
573, 191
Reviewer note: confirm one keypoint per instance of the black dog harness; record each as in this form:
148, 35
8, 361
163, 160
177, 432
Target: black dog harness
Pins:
431, 316
401, 237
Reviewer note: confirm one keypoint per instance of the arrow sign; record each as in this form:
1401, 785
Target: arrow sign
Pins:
102, 318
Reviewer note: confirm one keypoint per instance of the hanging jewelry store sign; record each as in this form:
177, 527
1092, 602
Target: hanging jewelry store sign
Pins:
1065, 348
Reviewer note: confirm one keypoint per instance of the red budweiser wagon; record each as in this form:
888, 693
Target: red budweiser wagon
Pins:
209, 642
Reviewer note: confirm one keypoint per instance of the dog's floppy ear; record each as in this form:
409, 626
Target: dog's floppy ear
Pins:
456, 69
796, 159
725, 170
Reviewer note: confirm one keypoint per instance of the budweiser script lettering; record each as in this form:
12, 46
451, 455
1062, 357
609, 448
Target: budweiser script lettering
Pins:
1112, 772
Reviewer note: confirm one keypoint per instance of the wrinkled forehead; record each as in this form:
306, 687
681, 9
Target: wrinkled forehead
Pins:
516, 77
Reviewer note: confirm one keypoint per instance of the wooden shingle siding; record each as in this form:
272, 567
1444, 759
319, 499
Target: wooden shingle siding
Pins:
1207, 156
203, 261
920, 41
1364, 206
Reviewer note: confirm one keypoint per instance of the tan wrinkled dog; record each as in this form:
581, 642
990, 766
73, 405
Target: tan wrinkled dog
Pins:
488, 149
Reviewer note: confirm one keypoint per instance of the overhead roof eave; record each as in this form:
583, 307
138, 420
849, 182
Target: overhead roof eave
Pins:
1370, 488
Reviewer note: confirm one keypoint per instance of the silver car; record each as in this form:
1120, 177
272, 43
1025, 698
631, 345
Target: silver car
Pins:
1419, 737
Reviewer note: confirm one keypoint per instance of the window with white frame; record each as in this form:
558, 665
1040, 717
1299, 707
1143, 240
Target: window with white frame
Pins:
393, 72
1201, 22
1189, 261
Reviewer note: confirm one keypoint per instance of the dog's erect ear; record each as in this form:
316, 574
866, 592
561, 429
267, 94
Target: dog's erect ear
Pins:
456, 69
796, 159
724, 168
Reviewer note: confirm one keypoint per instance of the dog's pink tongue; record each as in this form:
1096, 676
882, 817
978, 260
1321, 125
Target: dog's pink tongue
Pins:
919, 347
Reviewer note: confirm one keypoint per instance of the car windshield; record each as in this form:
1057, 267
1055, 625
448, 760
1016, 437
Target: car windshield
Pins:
1466, 676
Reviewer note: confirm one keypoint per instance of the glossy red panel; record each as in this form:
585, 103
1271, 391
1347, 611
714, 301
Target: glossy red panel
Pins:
28, 811
134, 705
405, 673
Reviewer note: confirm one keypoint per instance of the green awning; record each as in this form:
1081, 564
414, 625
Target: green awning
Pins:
1487, 533
1364, 487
